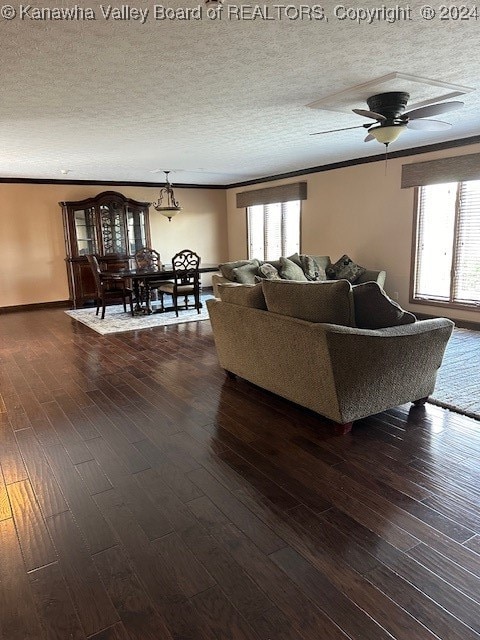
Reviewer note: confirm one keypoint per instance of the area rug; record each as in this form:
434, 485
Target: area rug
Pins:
458, 380
116, 320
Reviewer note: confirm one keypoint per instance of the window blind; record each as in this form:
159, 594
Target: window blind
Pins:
466, 281
447, 244
273, 230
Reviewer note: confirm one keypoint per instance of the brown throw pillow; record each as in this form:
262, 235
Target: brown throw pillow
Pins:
345, 268
375, 310
313, 301
245, 295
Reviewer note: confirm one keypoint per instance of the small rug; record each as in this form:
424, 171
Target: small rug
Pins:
458, 380
116, 320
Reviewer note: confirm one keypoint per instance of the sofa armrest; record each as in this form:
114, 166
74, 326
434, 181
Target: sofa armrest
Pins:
373, 276
216, 280
378, 369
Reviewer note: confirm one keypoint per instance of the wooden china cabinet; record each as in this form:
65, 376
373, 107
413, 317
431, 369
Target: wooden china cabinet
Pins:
109, 225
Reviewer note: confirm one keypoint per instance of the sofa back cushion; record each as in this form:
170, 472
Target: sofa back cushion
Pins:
246, 295
330, 301
375, 310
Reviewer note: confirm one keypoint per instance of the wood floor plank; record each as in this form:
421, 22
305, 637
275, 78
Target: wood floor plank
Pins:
262, 535
18, 619
11, 460
92, 603
97, 533
221, 618
44, 483
54, 605
35, 541
135, 609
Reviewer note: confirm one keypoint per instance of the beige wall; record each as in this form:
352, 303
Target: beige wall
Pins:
360, 211
31, 232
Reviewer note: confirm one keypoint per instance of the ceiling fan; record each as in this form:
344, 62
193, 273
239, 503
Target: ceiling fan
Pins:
388, 110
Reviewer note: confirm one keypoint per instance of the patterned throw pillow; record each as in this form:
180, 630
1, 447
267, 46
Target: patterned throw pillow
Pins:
268, 272
345, 269
312, 269
375, 310
290, 271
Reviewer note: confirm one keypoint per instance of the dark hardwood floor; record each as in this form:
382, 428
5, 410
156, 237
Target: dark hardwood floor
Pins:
145, 496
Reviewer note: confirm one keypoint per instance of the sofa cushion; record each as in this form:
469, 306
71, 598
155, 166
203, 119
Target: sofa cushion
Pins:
246, 295
313, 301
375, 310
290, 271
245, 274
268, 271
345, 268
227, 268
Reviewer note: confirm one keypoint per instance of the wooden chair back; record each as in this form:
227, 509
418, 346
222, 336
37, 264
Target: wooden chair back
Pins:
185, 268
147, 258
96, 271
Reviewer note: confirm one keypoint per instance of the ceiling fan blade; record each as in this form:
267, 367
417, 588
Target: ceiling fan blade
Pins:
369, 114
319, 133
369, 138
433, 110
429, 125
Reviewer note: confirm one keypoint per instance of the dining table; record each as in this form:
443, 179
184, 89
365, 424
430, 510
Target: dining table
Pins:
145, 276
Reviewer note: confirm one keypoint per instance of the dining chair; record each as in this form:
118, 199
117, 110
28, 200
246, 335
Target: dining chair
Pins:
111, 288
148, 258
186, 280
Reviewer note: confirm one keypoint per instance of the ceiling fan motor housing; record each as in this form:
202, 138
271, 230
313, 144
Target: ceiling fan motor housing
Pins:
391, 105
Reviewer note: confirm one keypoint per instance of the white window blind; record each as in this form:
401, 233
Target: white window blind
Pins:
447, 246
273, 230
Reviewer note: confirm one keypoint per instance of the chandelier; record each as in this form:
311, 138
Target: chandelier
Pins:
167, 204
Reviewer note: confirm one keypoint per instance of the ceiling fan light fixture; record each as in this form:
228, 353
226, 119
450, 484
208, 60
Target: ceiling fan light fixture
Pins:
167, 204
387, 134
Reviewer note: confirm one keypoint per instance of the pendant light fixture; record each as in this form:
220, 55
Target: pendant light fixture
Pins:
167, 204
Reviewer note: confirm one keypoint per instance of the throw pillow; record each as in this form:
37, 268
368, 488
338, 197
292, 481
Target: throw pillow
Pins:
227, 267
311, 268
345, 268
268, 272
246, 295
290, 271
375, 310
313, 301
246, 273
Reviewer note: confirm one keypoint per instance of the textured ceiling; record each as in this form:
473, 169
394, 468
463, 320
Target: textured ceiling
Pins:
216, 101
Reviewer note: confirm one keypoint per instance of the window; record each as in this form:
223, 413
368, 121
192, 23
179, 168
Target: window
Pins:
273, 230
447, 244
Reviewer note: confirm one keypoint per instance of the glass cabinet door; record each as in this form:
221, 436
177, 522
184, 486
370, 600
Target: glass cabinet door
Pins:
136, 229
85, 231
112, 222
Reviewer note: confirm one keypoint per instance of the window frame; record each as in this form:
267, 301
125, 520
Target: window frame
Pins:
247, 235
413, 299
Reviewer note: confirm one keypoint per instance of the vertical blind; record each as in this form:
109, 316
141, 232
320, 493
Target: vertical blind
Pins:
447, 260
273, 230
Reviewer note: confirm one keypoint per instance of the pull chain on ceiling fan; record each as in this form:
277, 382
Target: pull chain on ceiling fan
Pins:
388, 111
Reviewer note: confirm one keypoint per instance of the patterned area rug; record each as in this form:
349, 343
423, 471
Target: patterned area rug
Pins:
458, 381
116, 320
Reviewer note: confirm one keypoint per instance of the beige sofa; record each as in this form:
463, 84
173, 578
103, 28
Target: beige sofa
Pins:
323, 261
341, 372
